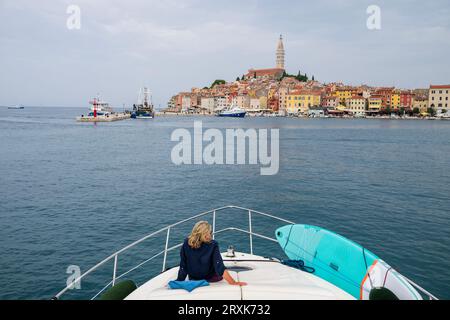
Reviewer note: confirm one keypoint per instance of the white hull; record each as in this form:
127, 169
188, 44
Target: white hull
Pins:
139, 117
266, 279
109, 118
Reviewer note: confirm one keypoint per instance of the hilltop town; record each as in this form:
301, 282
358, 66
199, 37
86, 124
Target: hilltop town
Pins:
274, 92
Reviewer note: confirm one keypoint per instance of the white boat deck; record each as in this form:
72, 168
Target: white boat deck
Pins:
266, 279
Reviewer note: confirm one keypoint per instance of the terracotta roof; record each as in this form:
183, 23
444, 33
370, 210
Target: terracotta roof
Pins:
305, 92
385, 89
440, 87
264, 72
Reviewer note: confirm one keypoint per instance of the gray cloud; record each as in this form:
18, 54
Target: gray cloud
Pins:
173, 45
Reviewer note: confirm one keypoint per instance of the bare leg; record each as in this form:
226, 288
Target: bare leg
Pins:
230, 280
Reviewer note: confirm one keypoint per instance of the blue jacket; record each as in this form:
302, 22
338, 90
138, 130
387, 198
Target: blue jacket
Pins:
200, 264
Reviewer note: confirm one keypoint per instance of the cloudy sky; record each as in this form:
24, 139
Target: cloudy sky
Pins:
174, 45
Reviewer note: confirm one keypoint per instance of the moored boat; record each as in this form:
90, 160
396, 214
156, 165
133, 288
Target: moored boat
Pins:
144, 108
233, 112
17, 107
100, 111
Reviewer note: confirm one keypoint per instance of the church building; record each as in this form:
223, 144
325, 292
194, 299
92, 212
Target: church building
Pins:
272, 73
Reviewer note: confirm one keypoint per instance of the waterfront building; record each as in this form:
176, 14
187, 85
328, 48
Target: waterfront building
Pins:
242, 101
438, 98
311, 98
263, 102
282, 98
208, 104
293, 102
385, 95
365, 93
356, 105
273, 104
300, 101
195, 101
330, 102
179, 102
406, 100
375, 103
271, 93
395, 100
421, 103
255, 104
185, 102
221, 102
344, 93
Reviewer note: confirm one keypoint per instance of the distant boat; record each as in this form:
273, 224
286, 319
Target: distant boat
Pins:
233, 112
144, 109
102, 112
17, 107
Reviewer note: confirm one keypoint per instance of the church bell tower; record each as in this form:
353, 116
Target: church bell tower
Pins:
280, 53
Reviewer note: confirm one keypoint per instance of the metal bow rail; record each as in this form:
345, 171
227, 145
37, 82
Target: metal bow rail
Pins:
115, 256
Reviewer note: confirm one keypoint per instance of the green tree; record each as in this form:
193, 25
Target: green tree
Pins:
237, 79
302, 78
387, 110
312, 78
217, 82
416, 110
444, 111
431, 112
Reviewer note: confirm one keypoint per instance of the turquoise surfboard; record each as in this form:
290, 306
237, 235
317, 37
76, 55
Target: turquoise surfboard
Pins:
341, 261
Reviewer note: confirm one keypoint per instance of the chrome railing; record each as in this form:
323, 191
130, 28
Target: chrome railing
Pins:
421, 290
115, 256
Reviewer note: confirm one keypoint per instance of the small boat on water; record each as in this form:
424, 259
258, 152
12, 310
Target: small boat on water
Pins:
144, 108
17, 107
101, 111
233, 112
320, 265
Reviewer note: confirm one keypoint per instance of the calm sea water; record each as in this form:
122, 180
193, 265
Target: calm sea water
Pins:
71, 194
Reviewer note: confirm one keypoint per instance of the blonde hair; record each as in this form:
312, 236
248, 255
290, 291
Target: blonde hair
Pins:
201, 233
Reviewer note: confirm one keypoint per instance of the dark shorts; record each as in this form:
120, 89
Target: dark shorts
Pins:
215, 278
